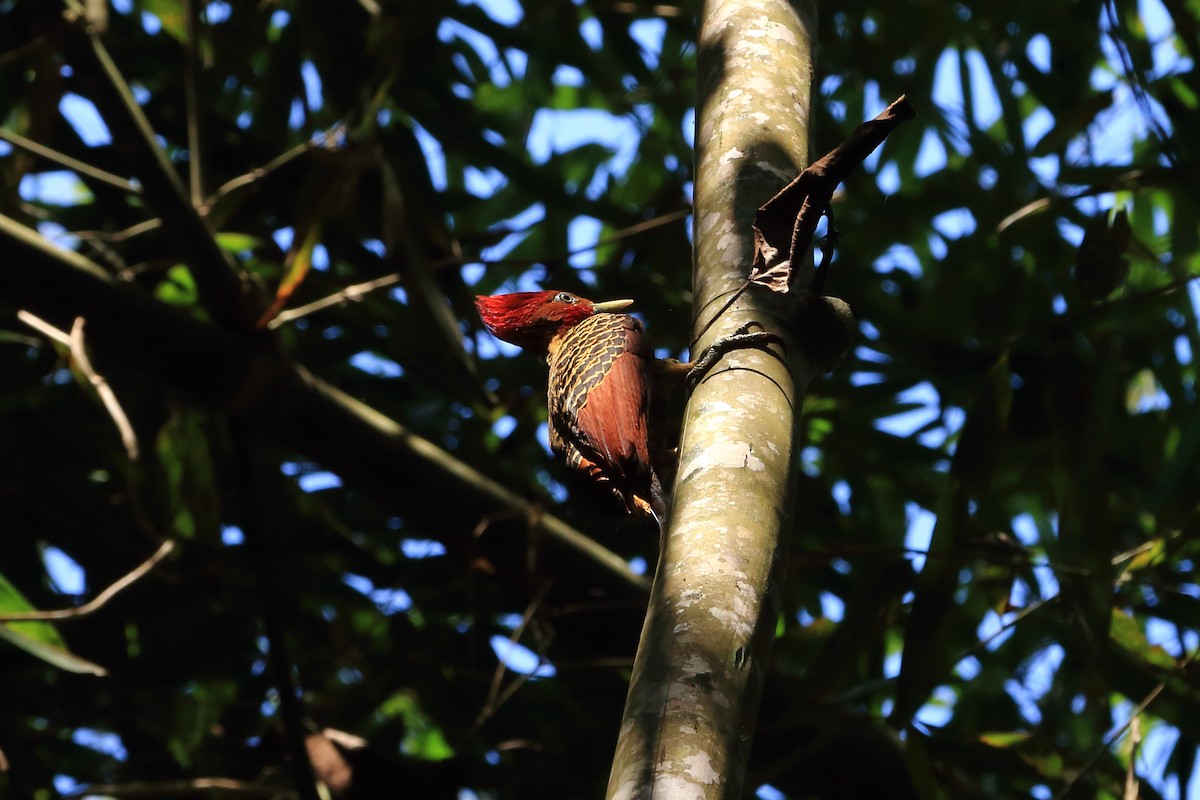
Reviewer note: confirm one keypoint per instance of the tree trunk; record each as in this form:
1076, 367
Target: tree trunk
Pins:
697, 680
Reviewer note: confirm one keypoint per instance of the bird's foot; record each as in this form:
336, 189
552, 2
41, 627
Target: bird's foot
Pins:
740, 339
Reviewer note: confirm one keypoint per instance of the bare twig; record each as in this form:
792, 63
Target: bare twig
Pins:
330, 137
97, 14
1115, 735
191, 75
351, 293
1135, 744
44, 328
100, 600
122, 235
620, 7
32, 45
496, 697
624, 233
223, 287
184, 788
1012, 623
74, 341
1133, 180
107, 397
356, 291
65, 160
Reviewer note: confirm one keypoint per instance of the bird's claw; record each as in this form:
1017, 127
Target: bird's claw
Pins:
740, 339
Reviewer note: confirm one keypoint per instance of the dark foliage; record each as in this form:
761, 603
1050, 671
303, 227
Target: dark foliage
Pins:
1036, 397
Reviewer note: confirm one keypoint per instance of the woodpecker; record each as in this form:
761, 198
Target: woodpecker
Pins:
606, 387
601, 387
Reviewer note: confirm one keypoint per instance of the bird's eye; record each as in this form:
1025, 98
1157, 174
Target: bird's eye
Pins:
565, 297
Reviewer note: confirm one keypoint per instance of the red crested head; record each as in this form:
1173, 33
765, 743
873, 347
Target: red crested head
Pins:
532, 319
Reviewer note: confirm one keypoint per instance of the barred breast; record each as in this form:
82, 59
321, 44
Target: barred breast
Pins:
599, 404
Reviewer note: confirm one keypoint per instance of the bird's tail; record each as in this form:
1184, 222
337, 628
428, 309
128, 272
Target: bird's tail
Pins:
655, 508
658, 505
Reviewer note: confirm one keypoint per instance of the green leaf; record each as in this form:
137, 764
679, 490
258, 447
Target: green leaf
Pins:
178, 288
422, 737
170, 14
1127, 633
238, 242
57, 656
38, 638
1005, 738
13, 602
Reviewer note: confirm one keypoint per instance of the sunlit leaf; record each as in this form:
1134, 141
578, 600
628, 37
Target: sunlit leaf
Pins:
423, 739
178, 288
13, 602
37, 638
49, 653
238, 242
1004, 738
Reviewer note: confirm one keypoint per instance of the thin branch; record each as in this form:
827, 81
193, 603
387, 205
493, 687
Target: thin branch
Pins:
1131, 779
107, 397
330, 137
1012, 623
1068, 321
67, 161
1115, 735
990, 553
74, 341
191, 76
22, 50
185, 788
495, 697
122, 235
1158, 177
351, 293
357, 291
624, 233
44, 328
101, 599
97, 14
620, 7
223, 287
